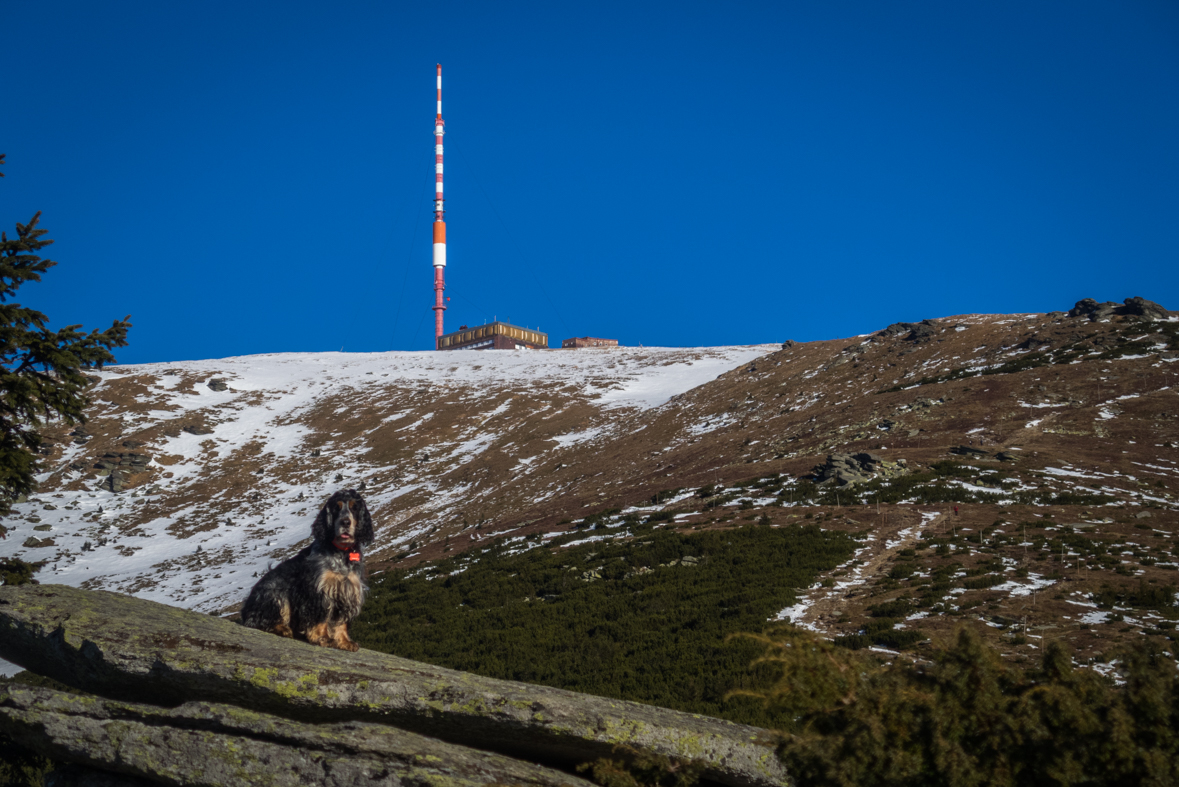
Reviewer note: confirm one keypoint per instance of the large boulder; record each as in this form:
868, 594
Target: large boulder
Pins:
1140, 307
138, 651
1087, 307
211, 743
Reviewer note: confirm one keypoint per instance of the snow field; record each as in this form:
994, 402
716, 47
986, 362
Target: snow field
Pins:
267, 399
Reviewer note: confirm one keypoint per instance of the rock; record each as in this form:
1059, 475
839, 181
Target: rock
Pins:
131, 650
969, 450
43, 528
74, 775
786, 345
197, 430
211, 743
1143, 515
1131, 307
1087, 307
1006, 456
218, 384
33, 542
896, 329
132, 444
922, 331
915, 332
847, 468
114, 467
1140, 307
126, 460
1033, 343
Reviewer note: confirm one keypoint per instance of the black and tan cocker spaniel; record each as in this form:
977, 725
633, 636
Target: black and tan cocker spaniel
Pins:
315, 594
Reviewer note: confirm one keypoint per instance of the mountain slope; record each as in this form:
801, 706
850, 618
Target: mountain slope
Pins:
214, 484
985, 461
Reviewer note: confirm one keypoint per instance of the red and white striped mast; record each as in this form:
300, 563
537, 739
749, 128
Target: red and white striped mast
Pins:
439, 222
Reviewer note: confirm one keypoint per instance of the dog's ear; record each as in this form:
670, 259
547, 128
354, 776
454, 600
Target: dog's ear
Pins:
364, 533
321, 529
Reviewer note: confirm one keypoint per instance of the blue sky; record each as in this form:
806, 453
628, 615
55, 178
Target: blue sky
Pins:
256, 177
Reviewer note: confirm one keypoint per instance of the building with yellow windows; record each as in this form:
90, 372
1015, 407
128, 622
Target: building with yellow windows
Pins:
494, 336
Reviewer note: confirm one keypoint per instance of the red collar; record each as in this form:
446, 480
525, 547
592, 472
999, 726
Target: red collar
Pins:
353, 554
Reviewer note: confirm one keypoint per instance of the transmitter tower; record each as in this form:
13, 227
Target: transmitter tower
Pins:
439, 221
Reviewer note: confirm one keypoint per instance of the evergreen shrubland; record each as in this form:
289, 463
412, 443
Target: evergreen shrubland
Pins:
649, 626
967, 718
652, 629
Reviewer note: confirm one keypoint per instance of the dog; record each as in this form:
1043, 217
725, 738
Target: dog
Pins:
316, 594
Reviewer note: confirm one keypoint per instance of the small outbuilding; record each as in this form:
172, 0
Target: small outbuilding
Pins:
588, 341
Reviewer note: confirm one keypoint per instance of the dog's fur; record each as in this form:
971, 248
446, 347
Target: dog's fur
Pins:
315, 594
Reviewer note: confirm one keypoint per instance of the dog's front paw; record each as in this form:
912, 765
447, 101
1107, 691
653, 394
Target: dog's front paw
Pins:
349, 646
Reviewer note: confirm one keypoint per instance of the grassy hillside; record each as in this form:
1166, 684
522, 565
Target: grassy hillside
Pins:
642, 618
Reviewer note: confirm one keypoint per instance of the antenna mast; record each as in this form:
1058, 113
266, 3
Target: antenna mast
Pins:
439, 221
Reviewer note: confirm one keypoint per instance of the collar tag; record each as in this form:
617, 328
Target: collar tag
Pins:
353, 557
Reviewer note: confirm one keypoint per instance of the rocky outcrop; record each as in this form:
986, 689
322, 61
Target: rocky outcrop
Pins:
844, 469
115, 467
1131, 307
129, 462
1140, 307
915, 332
847, 469
135, 651
1092, 309
212, 743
